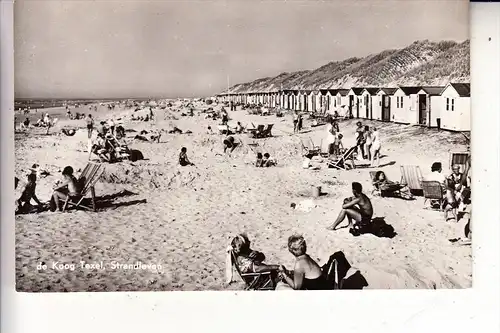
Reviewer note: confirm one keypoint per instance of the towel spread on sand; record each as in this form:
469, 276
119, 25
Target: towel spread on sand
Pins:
229, 265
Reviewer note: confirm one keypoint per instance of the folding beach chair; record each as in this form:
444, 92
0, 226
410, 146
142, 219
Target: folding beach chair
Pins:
257, 132
309, 148
460, 159
88, 178
339, 162
254, 281
266, 132
411, 176
433, 190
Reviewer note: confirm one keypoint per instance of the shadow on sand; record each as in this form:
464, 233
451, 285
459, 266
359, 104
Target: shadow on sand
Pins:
353, 281
378, 227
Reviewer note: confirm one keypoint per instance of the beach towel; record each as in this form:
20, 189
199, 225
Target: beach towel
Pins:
229, 265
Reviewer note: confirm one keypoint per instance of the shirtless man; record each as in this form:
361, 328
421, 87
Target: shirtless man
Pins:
358, 208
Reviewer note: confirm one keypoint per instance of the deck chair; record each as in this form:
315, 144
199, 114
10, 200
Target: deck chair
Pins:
459, 158
308, 147
257, 132
433, 190
339, 162
254, 281
266, 132
411, 176
88, 178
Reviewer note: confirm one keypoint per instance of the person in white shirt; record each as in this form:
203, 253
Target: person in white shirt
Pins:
436, 173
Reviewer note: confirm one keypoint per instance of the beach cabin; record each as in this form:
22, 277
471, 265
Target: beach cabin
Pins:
327, 100
428, 106
341, 102
312, 101
381, 103
403, 105
354, 96
366, 105
455, 107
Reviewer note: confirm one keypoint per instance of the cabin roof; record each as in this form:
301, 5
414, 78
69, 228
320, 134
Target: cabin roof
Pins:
371, 90
357, 91
410, 90
388, 91
463, 89
343, 92
434, 91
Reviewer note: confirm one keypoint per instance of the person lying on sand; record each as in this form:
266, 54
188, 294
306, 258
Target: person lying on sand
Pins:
183, 159
358, 208
69, 187
307, 274
230, 144
28, 193
248, 260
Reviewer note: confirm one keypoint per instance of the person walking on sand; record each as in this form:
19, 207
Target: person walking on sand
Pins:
295, 121
375, 147
360, 140
90, 125
368, 142
331, 136
357, 208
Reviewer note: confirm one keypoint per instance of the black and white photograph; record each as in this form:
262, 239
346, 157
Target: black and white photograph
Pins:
240, 145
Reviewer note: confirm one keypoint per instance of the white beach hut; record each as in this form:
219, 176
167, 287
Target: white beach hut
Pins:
455, 107
381, 103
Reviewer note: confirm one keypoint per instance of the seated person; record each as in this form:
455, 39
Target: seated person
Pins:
25, 123
183, 159
358, 208
103, 149
307, 274
259, 161
239, 128
250, 261
385, 186
229, 143
436, 173
70, 187
450, 201
23, 203
267, 161
456, 178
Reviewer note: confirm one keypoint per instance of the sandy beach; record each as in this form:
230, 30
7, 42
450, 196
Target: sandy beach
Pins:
182, 218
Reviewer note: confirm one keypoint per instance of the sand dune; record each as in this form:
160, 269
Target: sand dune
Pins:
182, 218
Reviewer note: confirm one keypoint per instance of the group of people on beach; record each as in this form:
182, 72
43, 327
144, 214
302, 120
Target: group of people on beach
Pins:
67, 188
368, 143
306, 275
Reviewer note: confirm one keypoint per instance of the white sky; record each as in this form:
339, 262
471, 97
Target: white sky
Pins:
99, 49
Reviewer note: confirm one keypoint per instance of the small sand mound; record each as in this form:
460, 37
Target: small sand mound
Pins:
149, 176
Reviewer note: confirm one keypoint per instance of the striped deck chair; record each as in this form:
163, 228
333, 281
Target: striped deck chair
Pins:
339, 162
411, 176
254, 281
88, 178
460, 159
308, 147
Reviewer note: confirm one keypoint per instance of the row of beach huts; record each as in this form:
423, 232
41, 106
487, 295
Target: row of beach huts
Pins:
446, 107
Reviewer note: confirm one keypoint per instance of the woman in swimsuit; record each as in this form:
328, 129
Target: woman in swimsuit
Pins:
307, 274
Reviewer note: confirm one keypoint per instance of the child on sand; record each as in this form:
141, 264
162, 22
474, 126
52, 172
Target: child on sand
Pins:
337, 144
70, 187
358, 208
23, 203
267, 161
183, 159
259, 161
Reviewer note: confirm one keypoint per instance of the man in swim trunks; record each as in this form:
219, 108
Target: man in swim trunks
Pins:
358, 208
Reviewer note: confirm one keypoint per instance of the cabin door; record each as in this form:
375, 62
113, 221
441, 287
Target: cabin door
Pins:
422, 109
367, 107
386, 108
357, 107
